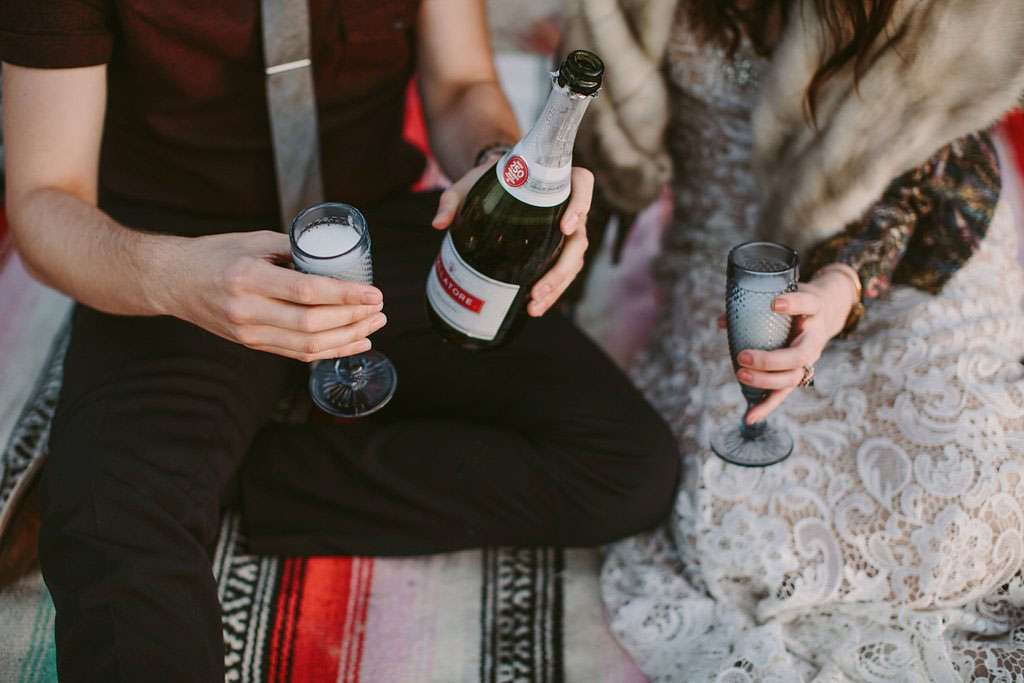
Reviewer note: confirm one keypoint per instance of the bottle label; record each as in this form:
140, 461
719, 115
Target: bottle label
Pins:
532, 183
516, 171
466, 299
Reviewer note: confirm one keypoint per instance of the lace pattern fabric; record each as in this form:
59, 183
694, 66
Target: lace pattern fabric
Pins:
889, 546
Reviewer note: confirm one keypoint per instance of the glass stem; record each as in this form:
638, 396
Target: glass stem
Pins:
751, 431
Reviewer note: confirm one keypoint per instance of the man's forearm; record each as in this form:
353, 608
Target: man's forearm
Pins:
475, 116
74, 247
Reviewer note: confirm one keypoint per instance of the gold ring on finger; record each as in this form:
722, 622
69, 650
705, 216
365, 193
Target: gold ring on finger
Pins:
808, 379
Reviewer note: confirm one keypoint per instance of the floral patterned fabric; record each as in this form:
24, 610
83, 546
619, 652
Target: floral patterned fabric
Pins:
926, 226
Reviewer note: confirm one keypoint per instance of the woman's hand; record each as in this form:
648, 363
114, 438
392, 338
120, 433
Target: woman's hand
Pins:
234, 286
820, 309
549, 288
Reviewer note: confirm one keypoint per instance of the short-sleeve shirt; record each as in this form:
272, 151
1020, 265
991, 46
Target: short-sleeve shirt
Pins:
187, 124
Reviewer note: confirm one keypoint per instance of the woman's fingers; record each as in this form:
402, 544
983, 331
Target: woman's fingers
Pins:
782, 370
575, 216
797, 303
770, 380
763, 409
804, 351
570, 262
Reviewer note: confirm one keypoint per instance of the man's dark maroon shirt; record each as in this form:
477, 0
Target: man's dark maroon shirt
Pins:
187, 125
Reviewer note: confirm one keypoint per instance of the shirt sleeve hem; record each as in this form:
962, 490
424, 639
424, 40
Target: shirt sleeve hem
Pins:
55, 50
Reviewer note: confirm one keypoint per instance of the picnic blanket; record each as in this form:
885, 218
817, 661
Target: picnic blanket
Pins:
501, 614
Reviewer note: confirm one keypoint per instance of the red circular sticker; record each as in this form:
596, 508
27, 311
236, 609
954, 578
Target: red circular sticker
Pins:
516, 171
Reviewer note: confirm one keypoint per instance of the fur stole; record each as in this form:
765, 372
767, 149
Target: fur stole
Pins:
954, 67
944, 68
623, 135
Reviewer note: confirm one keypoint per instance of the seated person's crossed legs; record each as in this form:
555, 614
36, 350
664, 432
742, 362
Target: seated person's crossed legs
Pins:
543, 441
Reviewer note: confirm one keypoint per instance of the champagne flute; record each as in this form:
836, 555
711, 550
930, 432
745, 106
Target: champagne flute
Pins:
333, 240
757, 273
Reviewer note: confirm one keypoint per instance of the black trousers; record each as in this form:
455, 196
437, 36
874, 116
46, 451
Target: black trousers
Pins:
541, 442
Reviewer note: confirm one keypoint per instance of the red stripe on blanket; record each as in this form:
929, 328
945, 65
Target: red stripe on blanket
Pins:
282, 640
355, 631
321, 624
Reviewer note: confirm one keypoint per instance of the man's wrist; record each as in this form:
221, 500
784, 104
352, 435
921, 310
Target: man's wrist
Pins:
157, 259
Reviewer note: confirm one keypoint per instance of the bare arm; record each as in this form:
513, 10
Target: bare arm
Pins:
466, 111
465, 107
228, 284
53, 120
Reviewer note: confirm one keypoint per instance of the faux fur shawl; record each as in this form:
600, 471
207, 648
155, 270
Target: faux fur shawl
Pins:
954, 67
623, 135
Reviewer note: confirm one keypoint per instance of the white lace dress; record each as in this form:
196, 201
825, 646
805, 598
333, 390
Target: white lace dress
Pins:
889, 546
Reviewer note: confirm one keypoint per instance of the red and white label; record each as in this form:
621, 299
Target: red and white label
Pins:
516, 171
466, 299
533, 183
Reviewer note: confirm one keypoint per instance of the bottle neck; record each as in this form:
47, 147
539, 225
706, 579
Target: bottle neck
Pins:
538, 168
550, 141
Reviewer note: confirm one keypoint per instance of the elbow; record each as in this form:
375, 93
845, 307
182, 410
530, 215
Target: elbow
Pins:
19, 208
28, 261
34, 272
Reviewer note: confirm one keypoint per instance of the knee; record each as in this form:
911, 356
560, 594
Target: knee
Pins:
148, 479
637, 490
105, 511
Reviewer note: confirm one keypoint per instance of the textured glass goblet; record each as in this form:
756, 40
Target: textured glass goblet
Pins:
757, 273
333, 240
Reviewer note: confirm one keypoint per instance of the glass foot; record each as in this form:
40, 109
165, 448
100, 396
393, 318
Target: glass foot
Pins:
353, 386
759, 445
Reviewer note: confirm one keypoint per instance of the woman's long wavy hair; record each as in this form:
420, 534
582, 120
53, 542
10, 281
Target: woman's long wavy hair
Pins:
852, 27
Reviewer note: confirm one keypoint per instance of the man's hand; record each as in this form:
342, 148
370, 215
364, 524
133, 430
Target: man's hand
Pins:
549, 288
234, 286
466, 109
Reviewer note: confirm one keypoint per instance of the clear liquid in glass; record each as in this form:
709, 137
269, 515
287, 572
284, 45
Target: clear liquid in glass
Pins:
333, 240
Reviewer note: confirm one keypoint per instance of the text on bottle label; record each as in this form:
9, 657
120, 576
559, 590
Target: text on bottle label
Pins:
469, 301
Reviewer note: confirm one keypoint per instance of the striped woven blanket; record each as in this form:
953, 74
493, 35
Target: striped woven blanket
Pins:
492, 615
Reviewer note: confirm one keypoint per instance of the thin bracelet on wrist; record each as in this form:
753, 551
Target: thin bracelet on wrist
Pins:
499, 148
857, 308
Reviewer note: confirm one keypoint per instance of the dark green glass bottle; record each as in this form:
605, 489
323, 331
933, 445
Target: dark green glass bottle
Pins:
506, 234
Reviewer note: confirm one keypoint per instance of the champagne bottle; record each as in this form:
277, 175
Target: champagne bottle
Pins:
507, 235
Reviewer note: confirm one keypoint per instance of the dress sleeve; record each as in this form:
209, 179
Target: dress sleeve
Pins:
926, 226
56, 35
